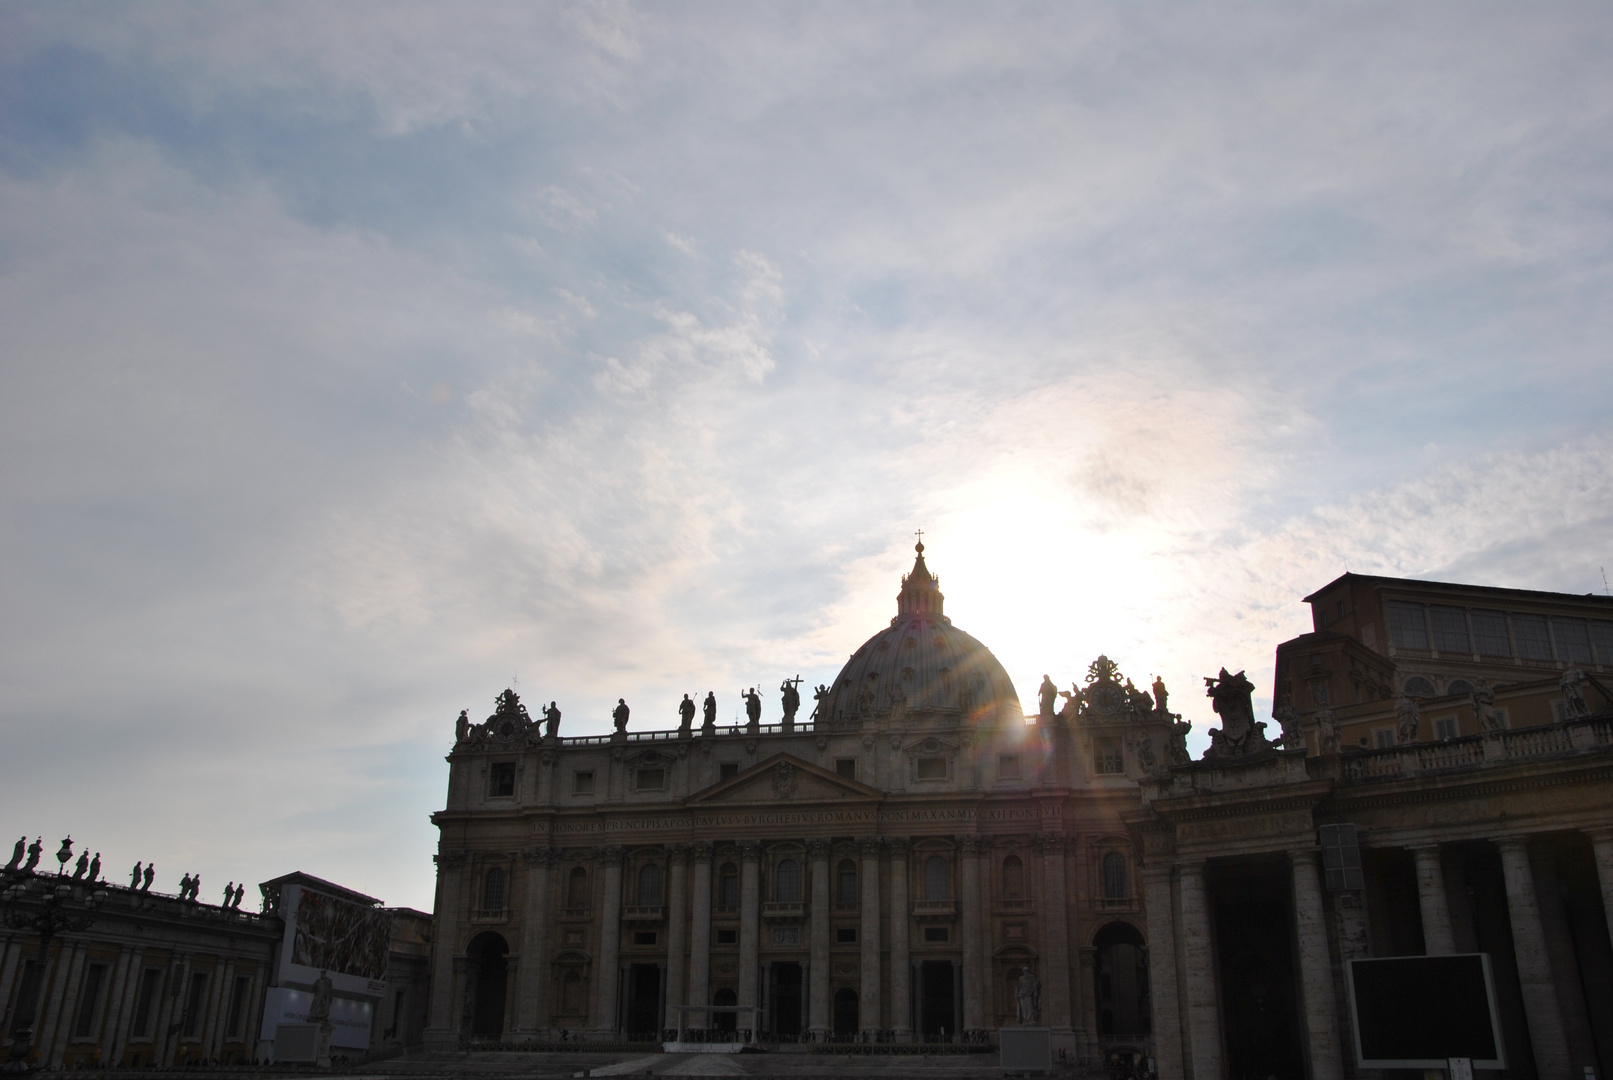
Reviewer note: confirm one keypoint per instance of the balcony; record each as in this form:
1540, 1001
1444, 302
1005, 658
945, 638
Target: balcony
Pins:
1117, 903
1011, 905
643, 913
935, 910
576, 914
784, 911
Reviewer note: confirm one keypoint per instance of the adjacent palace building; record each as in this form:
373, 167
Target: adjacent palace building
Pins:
920, 860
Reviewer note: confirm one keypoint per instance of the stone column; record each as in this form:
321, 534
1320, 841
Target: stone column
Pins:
1156, 880
1054, 919
124, 1016
445, 939
1315, 968
60, 1021
750, 929
974, 936
532, 977
901, 955
700, 935
1203, 1010
1602, 845
604, 1020
819, 1021
677, 931
868, 935
1437, 937
1540, 1006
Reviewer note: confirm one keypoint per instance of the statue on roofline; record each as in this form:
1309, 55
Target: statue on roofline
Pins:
708, 715
1240, 733
685, 716
1048, 696
551, 720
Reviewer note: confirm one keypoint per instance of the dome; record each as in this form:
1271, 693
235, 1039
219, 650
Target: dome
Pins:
921, 668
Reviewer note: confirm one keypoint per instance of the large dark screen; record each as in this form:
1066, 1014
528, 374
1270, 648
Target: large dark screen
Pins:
1423, 1007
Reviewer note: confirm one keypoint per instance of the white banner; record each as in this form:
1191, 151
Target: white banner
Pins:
350, 1019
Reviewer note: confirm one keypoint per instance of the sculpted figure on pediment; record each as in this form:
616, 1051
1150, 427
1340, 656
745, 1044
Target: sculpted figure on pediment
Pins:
1327, 732
1484, 707
1288, 716
1240, 734
1407, 719
1572, 685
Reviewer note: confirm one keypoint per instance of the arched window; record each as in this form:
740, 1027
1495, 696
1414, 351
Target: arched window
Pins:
788, 881
1115, 885
1417, 686
1458, 686
577, 888
649, 885
1013, 878
493, 890
936, 879
728, 887
847, 889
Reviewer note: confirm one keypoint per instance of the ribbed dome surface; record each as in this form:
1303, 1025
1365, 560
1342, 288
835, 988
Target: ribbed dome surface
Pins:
921, 667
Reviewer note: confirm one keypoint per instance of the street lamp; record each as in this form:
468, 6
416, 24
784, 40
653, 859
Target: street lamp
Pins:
32, 903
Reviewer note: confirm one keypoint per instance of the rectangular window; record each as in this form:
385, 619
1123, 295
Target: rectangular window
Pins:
1530, 633
1383, 738
1110, 759
1319, 691
501, 780
727, 937
846, 767
89, 997
243, 986
1008, 766
191, 1026
932, 768
1602, 638
644, 937
935, 933
1450, 629
650, 779
727, 770
147, 997
1406, 627
846, 935
1573, 640
1445, 727
1490, 633
582, 783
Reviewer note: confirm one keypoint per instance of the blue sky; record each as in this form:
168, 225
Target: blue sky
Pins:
356, 359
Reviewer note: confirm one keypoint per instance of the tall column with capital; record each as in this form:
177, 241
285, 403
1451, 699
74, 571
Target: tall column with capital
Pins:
973, 849
1162, 972
677, 930
868, 935
1055, 936
1437, 937
700, 934
445, 938
1602, 846
819, 1022
1203, 1011
750, 929
610, 943
1540, 1006
531, 978
901, 955
1315, 968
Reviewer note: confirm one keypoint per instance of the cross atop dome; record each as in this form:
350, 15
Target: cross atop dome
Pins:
921, 590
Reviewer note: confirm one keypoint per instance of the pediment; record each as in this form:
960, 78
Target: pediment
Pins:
784, 778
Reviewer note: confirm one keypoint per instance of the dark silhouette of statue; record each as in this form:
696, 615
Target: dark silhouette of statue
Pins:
620, 715
1161, 696
229, 894
708, 714
134, 877
184, 887
685, 715
753, 710
462, 726
81, 867
551, 721
319, 1007
35, 849
819, 695
792, 701
95, 867
17, 853
148, 877
1049, 696
1240, 733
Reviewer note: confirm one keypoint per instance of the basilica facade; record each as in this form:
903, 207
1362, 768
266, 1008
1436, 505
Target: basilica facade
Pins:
890, 868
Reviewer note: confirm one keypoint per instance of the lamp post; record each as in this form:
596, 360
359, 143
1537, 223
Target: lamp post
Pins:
34, 903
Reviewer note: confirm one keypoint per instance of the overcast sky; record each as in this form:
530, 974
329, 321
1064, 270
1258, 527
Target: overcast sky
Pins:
358, 360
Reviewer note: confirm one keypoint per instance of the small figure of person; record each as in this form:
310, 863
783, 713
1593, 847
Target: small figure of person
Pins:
685, 716
95, 868
753, 710
708, 714
134, 878
551, 720
620, 715
462, 727
148, 877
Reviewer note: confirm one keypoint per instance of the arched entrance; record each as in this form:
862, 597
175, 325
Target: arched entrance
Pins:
485, 980
725, 1021
1121, 974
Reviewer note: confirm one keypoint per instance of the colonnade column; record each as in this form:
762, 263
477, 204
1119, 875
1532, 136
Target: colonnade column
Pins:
677, 930
901, 956
1315, 968
868, 935
439, 1024
1437, 937
1540, 1005
818, 1020
974, 937
1053, 916
750, 929
529, 1014
1203, 1012
700, 933
1162, 972
610, 942
1602, 845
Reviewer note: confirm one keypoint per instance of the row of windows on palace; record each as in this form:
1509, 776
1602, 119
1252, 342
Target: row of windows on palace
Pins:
1108, 759
1468, 631
147, 996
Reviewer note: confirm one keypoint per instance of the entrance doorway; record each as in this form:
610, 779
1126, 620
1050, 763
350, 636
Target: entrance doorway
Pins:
938, 1020
643, 999
845, 1019
784, 996
485, 971
725, 1021
1121, 976
1254, 932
